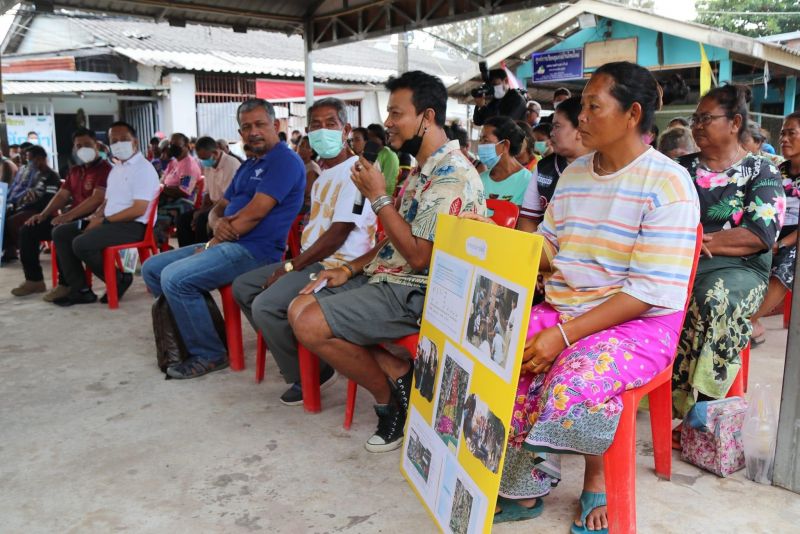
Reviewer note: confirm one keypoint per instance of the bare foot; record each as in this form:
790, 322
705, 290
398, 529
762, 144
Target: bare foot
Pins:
596, 520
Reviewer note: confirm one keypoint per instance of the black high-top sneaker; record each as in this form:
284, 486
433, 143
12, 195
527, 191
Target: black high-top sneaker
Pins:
402, 387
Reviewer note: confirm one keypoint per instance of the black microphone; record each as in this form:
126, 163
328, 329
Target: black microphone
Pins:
370, 154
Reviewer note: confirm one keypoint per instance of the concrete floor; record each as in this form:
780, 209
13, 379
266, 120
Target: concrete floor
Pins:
93, 439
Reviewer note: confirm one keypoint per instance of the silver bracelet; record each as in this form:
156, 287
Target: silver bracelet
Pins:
380, 203
563, 334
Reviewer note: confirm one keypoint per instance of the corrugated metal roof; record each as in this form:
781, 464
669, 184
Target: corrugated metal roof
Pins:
227, 62
35, 88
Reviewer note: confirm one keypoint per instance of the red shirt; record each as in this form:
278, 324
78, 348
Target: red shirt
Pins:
82, 180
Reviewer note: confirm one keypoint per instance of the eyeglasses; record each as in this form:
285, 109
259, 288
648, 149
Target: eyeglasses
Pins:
704, 119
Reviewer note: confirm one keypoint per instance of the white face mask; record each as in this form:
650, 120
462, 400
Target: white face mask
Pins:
86, 154
123, 150
499, 91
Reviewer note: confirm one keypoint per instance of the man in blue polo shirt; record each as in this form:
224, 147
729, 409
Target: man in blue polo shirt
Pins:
250, 226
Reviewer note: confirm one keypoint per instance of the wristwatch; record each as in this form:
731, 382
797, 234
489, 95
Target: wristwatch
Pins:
288, 267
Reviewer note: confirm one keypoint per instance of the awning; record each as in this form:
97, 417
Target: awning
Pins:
36, 87
282, 90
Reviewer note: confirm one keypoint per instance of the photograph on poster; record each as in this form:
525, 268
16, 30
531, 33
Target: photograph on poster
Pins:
418, 455
447, 293
451, 395
484, 433
460, 506
494, 313
425, 367
423, 454
462, 509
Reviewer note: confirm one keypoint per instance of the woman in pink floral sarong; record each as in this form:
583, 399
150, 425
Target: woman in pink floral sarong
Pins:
619, 237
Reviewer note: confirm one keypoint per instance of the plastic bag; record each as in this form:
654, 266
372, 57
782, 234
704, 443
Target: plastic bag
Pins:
760, 434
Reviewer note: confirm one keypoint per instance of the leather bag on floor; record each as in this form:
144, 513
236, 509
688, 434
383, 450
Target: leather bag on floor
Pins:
170, 349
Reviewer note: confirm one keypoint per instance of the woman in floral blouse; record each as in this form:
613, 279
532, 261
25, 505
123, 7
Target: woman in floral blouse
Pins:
742, 207
784, 251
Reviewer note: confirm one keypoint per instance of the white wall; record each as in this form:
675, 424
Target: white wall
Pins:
180, 113
97, 104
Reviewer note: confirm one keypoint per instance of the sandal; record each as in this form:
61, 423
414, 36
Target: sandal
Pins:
589, 501
512, 510
757, 340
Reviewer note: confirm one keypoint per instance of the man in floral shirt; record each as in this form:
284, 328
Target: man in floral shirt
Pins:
344, 313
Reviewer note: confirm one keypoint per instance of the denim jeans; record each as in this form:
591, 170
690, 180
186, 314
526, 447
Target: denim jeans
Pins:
182, 276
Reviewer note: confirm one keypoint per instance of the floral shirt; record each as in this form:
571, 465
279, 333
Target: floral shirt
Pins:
447, 183
791, 186
749, 195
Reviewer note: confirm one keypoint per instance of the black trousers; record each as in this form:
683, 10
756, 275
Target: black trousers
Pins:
29, 239
74, 248
188, 236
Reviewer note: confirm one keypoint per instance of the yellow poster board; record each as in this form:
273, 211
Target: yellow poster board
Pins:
474, 324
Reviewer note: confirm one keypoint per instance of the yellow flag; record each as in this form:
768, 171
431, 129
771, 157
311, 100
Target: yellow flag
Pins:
705, 72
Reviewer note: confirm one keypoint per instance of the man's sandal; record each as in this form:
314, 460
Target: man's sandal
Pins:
589, 501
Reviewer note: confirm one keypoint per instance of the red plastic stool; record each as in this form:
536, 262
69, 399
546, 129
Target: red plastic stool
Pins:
787, 309
233, 328
739, 386
410, 344
619, 461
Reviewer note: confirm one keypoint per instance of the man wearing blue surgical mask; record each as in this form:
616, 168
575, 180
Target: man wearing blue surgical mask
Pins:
506, 102
333, 236
218, 170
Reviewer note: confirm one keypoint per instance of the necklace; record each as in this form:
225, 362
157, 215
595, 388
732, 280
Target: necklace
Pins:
597, 164
733, 160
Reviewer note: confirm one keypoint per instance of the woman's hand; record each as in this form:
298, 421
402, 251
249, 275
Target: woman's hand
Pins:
707, 238
334, 277
542, 350
368, 179
475, 217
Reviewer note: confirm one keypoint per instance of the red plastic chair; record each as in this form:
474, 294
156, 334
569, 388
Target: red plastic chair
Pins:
619, 461
787, 309
739, 385
505, 213
233, 328
111, 259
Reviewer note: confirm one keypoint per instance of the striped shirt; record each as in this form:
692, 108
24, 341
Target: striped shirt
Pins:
632, 231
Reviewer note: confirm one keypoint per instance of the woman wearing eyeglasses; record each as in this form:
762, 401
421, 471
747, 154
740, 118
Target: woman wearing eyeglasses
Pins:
742, 206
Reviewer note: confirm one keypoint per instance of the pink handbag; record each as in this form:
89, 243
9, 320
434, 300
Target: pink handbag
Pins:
711, 437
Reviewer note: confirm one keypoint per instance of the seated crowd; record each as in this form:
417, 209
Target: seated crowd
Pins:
618, 218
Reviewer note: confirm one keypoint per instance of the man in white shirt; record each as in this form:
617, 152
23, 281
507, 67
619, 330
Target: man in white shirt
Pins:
218, 170
333, 236
122, 218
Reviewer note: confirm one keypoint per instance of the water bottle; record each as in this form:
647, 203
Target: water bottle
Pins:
759, 434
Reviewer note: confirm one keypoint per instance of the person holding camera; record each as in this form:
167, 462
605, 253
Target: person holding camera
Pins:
506, 102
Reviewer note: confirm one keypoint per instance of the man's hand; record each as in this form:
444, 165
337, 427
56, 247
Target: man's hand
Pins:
224, 231
475, 217
28, 197
368, 179
94, 222
334, 277
61, 219
542, 350
211, 243
36, 219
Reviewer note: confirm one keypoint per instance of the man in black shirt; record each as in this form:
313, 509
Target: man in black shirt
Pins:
506, 102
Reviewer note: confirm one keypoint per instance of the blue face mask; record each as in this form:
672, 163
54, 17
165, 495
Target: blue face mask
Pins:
326, 143
540, 147
208, 162
488, 155
102, 154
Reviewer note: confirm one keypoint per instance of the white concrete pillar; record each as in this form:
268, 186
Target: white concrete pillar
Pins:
180, 110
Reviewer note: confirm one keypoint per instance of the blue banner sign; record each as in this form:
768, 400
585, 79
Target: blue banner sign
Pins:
558, 65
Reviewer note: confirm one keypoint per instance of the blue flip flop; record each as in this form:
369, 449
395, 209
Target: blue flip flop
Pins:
589, 501
512, 510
